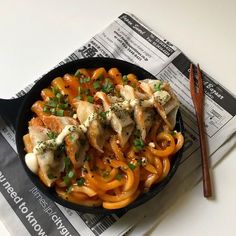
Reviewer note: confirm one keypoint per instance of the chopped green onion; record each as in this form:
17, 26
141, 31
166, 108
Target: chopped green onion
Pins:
125, 79
50, 176
53, 111
118, 176
107, 86
86, 91
67, 164
66, 180
63, 105
87, 79
90, 99
46, 109
139, 162
105, 174
59, 96
69, 189
157, 87
131, 166
72, 138
55, 90
138, 144
51, 103
77, 73
80, 181
51, 135
79, 97
174, 133
71, 174
59, 112
103, 114
96, 84
84, 80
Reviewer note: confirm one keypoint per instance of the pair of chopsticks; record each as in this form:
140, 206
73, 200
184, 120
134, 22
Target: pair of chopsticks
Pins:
198, 101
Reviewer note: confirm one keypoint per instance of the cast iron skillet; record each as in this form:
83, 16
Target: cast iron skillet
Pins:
18, 113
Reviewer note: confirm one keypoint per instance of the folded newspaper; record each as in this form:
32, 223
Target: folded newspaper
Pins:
26, 211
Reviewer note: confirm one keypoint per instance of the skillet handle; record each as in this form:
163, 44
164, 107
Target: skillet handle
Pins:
9, 109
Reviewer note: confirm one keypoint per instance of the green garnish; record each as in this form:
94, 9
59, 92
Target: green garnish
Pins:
63, 105
67, 164
66, 180
96, 84
139, 162
105, 174
85, 91
103, 114
51, 135
80, 181
174, 133
79, 97
82, 91
71, 174
56, 105
138, 144
118, 176
125, 79
90, 99
72, 138
157, 87
55, 90
132, 166
53, 111
107, 86
59, 96
84, 80
46, 109
77, 73
51, 103
68, 190
50, 176
59, 112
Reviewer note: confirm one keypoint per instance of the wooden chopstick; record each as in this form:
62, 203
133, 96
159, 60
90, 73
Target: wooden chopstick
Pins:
198, 101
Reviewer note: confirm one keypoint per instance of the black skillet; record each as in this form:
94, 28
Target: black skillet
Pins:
18, 113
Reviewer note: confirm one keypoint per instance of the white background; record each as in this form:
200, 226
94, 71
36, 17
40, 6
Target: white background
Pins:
36, 35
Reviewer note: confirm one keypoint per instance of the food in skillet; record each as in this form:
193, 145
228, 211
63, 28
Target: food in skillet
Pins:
102, 138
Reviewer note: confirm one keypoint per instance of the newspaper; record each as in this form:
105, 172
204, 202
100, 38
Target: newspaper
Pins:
26, 211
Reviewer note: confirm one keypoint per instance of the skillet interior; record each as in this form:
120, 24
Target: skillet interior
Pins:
25, 115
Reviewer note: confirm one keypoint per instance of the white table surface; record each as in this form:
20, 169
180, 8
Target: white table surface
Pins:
36, 35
